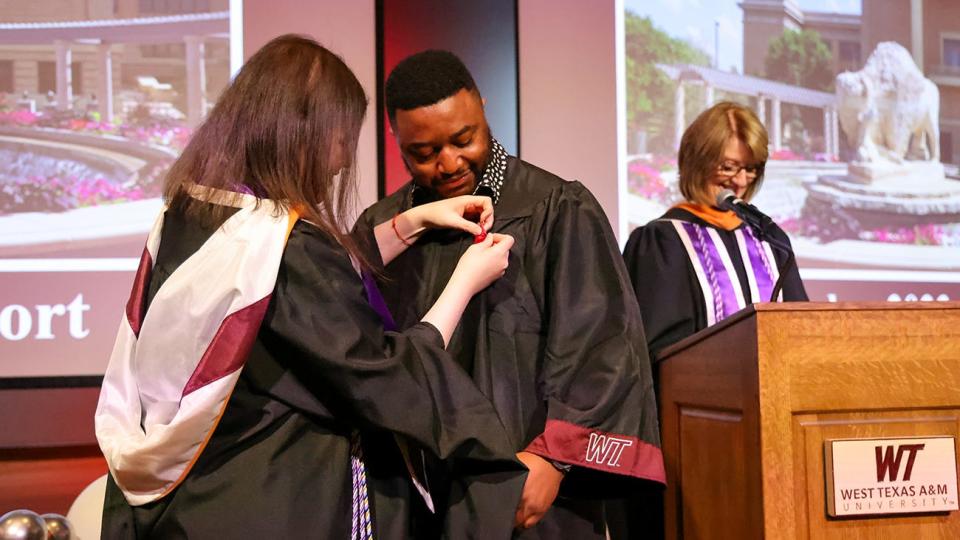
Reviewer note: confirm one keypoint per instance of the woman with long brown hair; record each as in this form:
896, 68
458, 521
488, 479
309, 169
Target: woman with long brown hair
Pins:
254, 350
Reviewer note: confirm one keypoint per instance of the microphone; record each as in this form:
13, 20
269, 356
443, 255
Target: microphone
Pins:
761, 224
757, 220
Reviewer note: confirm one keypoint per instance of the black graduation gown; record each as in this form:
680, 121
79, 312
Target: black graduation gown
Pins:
278, 463
555, 343
666, 285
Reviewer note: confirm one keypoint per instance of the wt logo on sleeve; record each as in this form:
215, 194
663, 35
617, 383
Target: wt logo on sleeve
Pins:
606, 450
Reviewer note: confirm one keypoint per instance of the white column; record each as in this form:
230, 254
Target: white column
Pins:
775, 128
679, 124
916, 32
827, 130
762, 109
835, 128
64, 75
105, 82
196, 79
708, 96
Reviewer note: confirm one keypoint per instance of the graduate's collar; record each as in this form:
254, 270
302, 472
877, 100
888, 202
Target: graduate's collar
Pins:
722, 219
493, 175
490, 184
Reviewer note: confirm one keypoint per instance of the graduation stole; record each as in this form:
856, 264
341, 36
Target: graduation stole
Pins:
174, 366
722, 292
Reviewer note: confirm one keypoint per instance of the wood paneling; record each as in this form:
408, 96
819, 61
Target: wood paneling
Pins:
793, 375
703, 435
809, 433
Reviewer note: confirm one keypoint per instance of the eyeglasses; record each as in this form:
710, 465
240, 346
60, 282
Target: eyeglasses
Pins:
729, 169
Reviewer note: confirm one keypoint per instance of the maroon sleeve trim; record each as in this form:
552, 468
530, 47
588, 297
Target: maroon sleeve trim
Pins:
599, 450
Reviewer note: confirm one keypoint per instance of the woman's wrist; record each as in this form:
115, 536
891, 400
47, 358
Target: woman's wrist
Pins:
396, 231
408, 226
445, 313
458, 289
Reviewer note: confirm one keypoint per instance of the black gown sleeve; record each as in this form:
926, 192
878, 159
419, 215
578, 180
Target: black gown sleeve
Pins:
596, 373
366, 240
479, 502
401, 382
664, 285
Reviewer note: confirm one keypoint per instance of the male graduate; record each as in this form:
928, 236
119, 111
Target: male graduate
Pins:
556, 344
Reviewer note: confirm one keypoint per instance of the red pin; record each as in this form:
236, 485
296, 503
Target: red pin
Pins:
483, 191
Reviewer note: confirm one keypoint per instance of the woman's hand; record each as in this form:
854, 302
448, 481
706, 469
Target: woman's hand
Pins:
469, 213
539, 491
479, 266
482, 263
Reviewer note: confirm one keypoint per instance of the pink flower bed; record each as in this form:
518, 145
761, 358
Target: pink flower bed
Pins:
920, 235
786, 154
645, 178
18, 118
171, 136
55, 194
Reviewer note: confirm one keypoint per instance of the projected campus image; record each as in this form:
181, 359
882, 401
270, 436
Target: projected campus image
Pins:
863, 113
97, 99
92, 112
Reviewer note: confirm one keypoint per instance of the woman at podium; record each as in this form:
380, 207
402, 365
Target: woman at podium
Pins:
713, 254
701, 261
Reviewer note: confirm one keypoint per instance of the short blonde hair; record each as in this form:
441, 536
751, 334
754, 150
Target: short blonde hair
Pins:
703, 143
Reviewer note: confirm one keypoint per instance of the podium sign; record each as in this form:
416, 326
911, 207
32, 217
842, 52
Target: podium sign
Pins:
891, 476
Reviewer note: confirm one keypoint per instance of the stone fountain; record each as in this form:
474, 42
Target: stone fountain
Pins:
889, 113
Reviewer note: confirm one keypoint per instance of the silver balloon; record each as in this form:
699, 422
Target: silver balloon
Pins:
22, 525
58, 527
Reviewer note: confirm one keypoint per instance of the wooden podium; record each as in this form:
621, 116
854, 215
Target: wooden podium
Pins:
747, 404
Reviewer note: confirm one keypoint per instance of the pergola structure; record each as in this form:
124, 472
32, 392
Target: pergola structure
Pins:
763, 90
192, 29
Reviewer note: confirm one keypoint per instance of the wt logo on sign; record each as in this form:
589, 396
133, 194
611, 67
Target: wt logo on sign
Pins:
913, 475
606, 450
888, 463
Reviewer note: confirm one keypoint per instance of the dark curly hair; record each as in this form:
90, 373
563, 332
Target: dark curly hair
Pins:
425, 78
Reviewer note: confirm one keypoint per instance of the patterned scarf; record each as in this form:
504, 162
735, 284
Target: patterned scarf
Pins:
494, 173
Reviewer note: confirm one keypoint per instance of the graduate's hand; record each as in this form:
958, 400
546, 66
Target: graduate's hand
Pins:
469, 213
539, 491
482, 263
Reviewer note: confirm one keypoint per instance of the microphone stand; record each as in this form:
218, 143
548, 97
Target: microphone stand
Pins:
762, 224
791, 260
